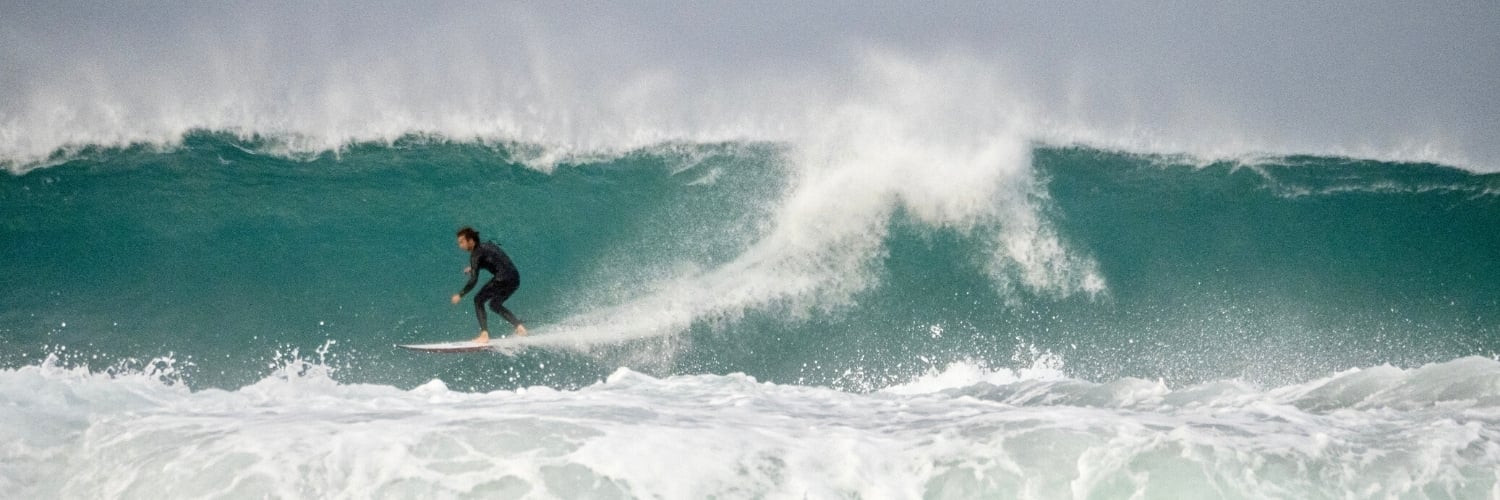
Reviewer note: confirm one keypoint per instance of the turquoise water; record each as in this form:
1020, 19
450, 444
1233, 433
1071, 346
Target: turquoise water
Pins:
217, 318
221, 256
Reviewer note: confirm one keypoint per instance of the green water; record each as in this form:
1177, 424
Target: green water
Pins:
226, 258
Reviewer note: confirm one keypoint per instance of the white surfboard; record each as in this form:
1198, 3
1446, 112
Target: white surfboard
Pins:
551, 339
505, 345
460, 346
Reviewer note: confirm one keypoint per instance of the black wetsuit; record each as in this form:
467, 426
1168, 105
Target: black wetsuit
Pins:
505, 280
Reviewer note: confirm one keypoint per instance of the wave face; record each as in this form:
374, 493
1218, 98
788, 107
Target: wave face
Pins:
724, 258
217, 318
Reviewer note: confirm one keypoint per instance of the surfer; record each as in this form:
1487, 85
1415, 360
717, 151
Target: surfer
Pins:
504, 280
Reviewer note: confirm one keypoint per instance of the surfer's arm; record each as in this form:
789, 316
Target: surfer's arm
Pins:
473, 272
473, 278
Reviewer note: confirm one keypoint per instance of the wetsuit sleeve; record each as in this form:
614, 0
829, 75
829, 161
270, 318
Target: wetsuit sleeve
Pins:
473, 273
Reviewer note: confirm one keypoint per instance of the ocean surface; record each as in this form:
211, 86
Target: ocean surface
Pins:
216, 318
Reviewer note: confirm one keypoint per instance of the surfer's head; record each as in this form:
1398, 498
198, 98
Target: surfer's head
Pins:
467, 238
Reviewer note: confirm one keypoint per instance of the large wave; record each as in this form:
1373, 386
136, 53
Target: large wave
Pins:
720, 258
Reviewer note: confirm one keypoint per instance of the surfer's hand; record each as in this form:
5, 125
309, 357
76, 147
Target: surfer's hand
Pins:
468, 270
457, 297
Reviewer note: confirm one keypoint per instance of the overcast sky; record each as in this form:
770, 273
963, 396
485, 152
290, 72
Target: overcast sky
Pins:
1393, 80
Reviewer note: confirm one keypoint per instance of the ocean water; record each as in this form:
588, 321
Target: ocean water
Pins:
216, 317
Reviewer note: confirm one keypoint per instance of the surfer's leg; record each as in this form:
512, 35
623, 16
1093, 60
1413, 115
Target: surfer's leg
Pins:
479, 313
504, 313
484, 295
503, 291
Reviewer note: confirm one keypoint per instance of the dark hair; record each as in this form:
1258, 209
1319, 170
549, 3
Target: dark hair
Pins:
469, 233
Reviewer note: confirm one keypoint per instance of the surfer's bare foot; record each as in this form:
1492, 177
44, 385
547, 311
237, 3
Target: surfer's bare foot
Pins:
483, 338
520, 330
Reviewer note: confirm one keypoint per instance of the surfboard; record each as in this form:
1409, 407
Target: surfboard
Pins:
508, 344
448, 347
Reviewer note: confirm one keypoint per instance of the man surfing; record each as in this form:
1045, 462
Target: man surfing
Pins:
504, 280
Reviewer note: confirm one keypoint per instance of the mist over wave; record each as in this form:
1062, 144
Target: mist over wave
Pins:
1392, 81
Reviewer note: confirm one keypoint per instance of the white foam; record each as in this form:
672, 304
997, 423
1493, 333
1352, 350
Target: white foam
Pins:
71, 433
1033, 364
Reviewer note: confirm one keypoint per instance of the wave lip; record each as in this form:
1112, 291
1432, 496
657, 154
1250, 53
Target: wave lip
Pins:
105, 75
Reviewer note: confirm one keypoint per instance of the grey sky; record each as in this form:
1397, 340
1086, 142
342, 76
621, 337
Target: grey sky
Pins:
1383, 79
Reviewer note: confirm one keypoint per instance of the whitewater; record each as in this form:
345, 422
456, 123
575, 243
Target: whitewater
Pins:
963, 433
769, 250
